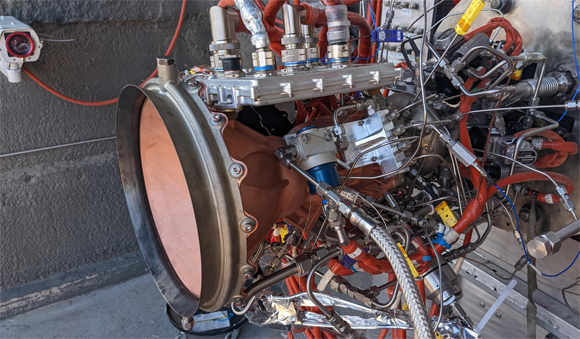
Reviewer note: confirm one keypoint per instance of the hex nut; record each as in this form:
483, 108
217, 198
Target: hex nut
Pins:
544, 245
165, 61
187, 323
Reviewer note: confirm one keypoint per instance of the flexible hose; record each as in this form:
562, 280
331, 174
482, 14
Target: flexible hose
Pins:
412, 295
533, 176
272, 8
513, 37
112, 101
364, 31
226, 3
556, 143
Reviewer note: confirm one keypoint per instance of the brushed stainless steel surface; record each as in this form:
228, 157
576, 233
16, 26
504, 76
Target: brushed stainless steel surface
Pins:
233, 93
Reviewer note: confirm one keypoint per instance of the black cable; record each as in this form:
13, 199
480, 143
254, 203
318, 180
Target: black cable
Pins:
493, 270
271, 280
310, 279
564, 295
339, 324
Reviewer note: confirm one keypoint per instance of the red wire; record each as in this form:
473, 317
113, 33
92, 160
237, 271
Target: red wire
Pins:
112, 101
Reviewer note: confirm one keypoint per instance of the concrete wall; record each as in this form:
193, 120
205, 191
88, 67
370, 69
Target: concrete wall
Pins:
64, 208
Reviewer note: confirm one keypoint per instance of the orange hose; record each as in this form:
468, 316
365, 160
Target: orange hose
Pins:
364, 44
475, 207
556, 143
434, 310
226, 3
383, 333
271, 10
317, 332
513, 37
323, 41
533, 176
366, 261
421, 287
339, 269
313, 15
399, 334
112, 101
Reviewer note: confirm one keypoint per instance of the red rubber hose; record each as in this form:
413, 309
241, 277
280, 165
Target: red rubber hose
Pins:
556, 143
513, 37
339, 269
533, 176
112, 101
271, 10
226, 3
364, 44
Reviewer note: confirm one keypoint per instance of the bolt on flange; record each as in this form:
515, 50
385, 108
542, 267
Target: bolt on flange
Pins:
236, 171
247, 225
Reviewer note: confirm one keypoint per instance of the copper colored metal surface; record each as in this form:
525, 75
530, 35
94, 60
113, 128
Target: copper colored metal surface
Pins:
169, 199
269, 190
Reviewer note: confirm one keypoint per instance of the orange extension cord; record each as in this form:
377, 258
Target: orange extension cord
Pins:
112, 101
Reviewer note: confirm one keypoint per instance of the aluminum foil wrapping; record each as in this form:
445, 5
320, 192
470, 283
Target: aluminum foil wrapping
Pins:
453, 329
252, 18
284, 312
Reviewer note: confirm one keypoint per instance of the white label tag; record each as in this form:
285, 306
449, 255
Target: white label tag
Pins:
356, 253
406, 11
549, 199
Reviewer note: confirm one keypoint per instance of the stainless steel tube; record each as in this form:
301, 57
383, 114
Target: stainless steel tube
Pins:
309, 31
222, 24
549, 243
568, 231
291, 20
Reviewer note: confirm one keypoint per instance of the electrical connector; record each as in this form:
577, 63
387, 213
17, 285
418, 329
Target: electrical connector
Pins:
469, 16
386, 35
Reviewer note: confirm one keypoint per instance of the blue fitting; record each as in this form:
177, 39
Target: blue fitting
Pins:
294, 63
427, 258
264, 68
327, 173
439, 240
348, 262
324, 202
305, 129
339, 60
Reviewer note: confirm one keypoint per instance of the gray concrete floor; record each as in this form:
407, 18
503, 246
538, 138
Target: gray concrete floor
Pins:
134, 309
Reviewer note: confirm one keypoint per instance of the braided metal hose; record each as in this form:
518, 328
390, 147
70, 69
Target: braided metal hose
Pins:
414, 301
